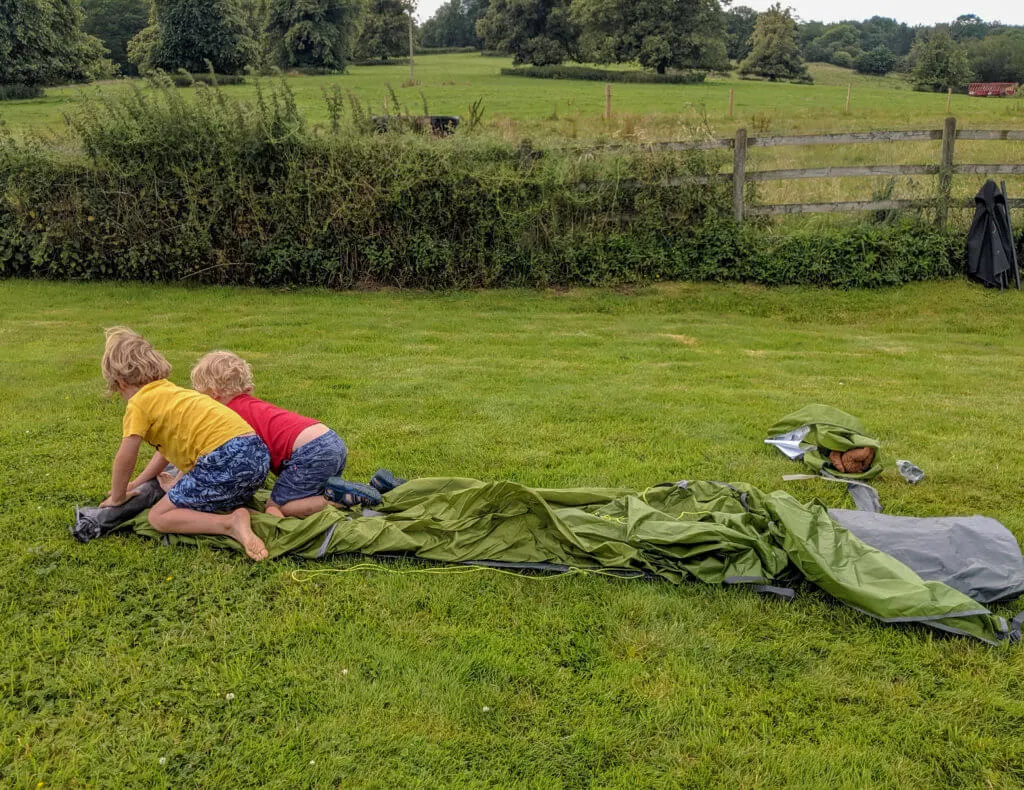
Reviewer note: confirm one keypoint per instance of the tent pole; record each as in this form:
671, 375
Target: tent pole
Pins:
1013, 241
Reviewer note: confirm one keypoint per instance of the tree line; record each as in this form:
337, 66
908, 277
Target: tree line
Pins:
47, 42
700, 34
53, 41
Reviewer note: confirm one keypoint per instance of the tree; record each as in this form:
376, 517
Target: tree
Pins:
115, 22
939, 62
843, 59
843, 37
256, 14
659, 34
968, 27
447, 27
454, 24
998, 58
806, 33
193, 35
42, 43
385, 30
533, 31
313, 33
773, 49
879, 60
880, 31
739, 27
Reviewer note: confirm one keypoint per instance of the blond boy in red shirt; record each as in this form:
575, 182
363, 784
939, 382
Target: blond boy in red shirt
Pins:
304, 453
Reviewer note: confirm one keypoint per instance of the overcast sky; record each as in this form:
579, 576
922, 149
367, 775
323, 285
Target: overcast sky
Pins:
913, 12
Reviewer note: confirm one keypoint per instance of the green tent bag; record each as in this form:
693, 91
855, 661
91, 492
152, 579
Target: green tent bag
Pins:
815, 430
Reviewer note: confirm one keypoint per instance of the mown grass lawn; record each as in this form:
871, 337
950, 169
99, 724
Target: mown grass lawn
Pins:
119, 656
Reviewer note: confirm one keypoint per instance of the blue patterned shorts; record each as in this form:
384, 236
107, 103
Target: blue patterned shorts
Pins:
225, 478
305, 473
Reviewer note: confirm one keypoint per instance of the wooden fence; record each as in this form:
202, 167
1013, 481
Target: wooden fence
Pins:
945, 169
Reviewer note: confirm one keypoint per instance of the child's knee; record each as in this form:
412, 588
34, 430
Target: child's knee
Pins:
156, 521
158, 517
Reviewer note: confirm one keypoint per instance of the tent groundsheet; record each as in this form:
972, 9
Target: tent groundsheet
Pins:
716, 533
973, 554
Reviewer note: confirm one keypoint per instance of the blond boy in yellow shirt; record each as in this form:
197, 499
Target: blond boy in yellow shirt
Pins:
222, 461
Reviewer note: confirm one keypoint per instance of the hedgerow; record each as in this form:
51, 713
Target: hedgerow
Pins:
559, 72
184, 79
212, 190
17, 92
445, 50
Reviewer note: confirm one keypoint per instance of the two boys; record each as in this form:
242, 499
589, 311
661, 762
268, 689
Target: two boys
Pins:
223, 446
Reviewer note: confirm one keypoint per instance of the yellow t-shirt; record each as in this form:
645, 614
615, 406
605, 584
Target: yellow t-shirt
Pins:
182, 424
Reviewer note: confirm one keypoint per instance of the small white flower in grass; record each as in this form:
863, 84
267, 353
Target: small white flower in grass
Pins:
229, 696
485, 709
312, 762
162, 761
344, 672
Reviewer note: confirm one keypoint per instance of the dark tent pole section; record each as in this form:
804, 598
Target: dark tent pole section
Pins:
1013, 242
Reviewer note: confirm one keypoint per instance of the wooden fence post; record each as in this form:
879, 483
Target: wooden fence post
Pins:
739, 170
946, 171
412, 58
849, 92
949, 100
732, 95
607, 101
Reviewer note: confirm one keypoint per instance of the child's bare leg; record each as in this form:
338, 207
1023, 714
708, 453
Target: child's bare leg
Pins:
300, 508
273, 509
165, 517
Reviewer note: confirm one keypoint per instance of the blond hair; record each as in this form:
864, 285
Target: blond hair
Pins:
222, 374
128, 358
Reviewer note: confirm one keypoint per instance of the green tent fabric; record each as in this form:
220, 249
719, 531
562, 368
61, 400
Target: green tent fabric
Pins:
715, 533
828, 428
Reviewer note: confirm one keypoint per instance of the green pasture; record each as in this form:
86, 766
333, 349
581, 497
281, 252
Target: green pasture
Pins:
567, 108
129, 664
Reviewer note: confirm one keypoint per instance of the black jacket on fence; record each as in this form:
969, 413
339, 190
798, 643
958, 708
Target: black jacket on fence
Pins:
990, 253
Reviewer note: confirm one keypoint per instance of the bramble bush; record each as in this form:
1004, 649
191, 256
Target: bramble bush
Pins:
168, 187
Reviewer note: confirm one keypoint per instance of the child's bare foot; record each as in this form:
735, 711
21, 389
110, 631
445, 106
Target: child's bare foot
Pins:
274, 510
242, 532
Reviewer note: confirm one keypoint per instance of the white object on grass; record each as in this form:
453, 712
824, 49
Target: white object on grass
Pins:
792, 444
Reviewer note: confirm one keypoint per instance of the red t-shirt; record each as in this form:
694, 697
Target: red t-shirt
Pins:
277, 427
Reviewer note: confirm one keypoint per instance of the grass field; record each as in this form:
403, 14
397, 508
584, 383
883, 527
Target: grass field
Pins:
557, 112
120, 656
525, 107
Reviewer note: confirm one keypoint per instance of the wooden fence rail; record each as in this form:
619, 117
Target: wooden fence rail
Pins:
945, 169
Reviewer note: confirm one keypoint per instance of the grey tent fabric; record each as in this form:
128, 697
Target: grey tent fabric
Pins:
95, 522
865, 497
973, 554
